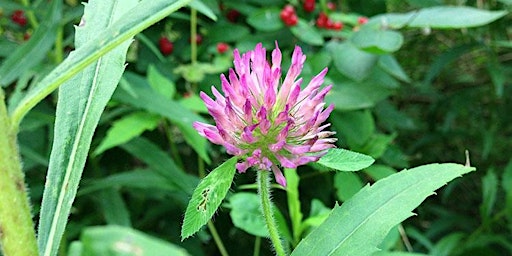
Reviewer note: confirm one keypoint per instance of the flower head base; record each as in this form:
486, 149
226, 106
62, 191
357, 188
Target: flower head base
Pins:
265, 122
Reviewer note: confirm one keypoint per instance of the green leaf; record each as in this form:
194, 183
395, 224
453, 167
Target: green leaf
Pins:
351, 61
378, 41
121, 241
143, 15
448, 245
345, 160
378, 171
123, 130
382, 253
292, 194
207, 197
347, 184
203, 8
246, 215
113, 207
389, 64
266, 19
440, 17
35, 50
137, 93
161, 163
307, 33
360, 224
160, 83
80, 105
489, 193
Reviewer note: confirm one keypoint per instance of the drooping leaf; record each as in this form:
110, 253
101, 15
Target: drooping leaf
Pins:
80, 105
345, 160
127, 128
207, 197
360, 224
37, 46
120, 241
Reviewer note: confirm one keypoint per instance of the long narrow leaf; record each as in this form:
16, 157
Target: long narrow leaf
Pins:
81, 102
134, 21
360, 224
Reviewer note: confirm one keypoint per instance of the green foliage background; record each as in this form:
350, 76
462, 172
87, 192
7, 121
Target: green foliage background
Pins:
415, 88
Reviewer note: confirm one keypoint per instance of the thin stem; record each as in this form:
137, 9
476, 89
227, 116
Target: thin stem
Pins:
217, 239
257, 246
17, 235
174, 149
30, 14
59, 51
266, 205
193, 35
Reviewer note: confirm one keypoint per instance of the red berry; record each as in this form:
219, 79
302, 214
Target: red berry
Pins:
362, 20
18, 17
337, 25
166, 46
26, 36
199, 39
233, 15
292, 20
222, 47
288, 16
331, 6
309, 5
321, 21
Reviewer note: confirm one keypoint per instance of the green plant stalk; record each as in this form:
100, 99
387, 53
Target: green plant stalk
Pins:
292, 194
268, 215
257, 245
193, 35
59, 51
30, 15
217, 239
17, 235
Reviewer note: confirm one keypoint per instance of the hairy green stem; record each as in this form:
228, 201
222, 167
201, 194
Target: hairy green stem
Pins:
17, 235
268, 215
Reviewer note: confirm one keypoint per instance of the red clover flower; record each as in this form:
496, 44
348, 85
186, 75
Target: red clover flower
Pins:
265, 122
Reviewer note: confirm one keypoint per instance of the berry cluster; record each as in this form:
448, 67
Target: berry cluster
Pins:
323, 21
289, 16
308, 5
19, 18
166, 46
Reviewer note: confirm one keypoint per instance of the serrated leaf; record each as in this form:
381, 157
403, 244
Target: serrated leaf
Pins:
37, 47
119, 241
127, 128
345, 160
81, 102
207, 197
360, 224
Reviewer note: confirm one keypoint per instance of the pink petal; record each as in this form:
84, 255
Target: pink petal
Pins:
242, 167
279, 176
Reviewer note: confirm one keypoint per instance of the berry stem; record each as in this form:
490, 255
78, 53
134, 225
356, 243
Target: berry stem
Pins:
30, 14
266, 205
17, 235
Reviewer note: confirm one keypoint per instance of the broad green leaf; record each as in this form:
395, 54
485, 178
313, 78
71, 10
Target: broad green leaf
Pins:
160, 83
194, 103
161, 163
246, 215
382, 253
440, 17
345, 160
489, 193
137, 93
351, 61
356, 127
36, 48
122, 241
80, 105
307, 33
378, 41
359, 225
143, 15
347, 184
378, 171
389, 64
123, 130
318, 214
207, 197
266, 19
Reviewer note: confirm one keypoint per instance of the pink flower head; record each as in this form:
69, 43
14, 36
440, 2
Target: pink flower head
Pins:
265, 121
